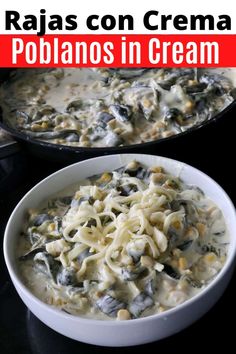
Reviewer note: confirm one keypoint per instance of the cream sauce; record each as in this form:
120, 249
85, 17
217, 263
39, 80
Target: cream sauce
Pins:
112, 107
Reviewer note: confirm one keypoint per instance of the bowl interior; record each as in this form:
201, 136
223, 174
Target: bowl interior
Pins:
74, 173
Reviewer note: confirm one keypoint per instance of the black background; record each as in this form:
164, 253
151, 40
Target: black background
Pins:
212, 150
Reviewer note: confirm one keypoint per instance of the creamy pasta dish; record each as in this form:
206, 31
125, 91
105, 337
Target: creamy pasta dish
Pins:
112, 107
122, 245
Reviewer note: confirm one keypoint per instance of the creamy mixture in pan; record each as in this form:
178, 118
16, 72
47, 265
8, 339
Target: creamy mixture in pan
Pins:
122, 245
112, 107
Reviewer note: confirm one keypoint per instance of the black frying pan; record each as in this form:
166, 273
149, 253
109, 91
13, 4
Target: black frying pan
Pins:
174, 146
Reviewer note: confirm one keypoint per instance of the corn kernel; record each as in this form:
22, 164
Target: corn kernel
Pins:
105, 178
132, 165
123, 314
188, 107
157, 177
58, 302
192, 82
35, 127
201, 228
170, 183
210, 257
146, 103
83, 138
118, 130
167, 133
51, 227
156, 169
183, 264
177, 225
99, 206
190, 231
44, 125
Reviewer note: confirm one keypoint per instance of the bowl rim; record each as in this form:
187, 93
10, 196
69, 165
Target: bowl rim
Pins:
18, 283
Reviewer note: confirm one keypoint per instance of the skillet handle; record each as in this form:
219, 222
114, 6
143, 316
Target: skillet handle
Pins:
8, 148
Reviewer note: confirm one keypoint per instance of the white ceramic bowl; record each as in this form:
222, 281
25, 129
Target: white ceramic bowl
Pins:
120, 333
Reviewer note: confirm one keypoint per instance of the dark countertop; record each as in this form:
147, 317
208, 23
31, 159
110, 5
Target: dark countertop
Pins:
22, 333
